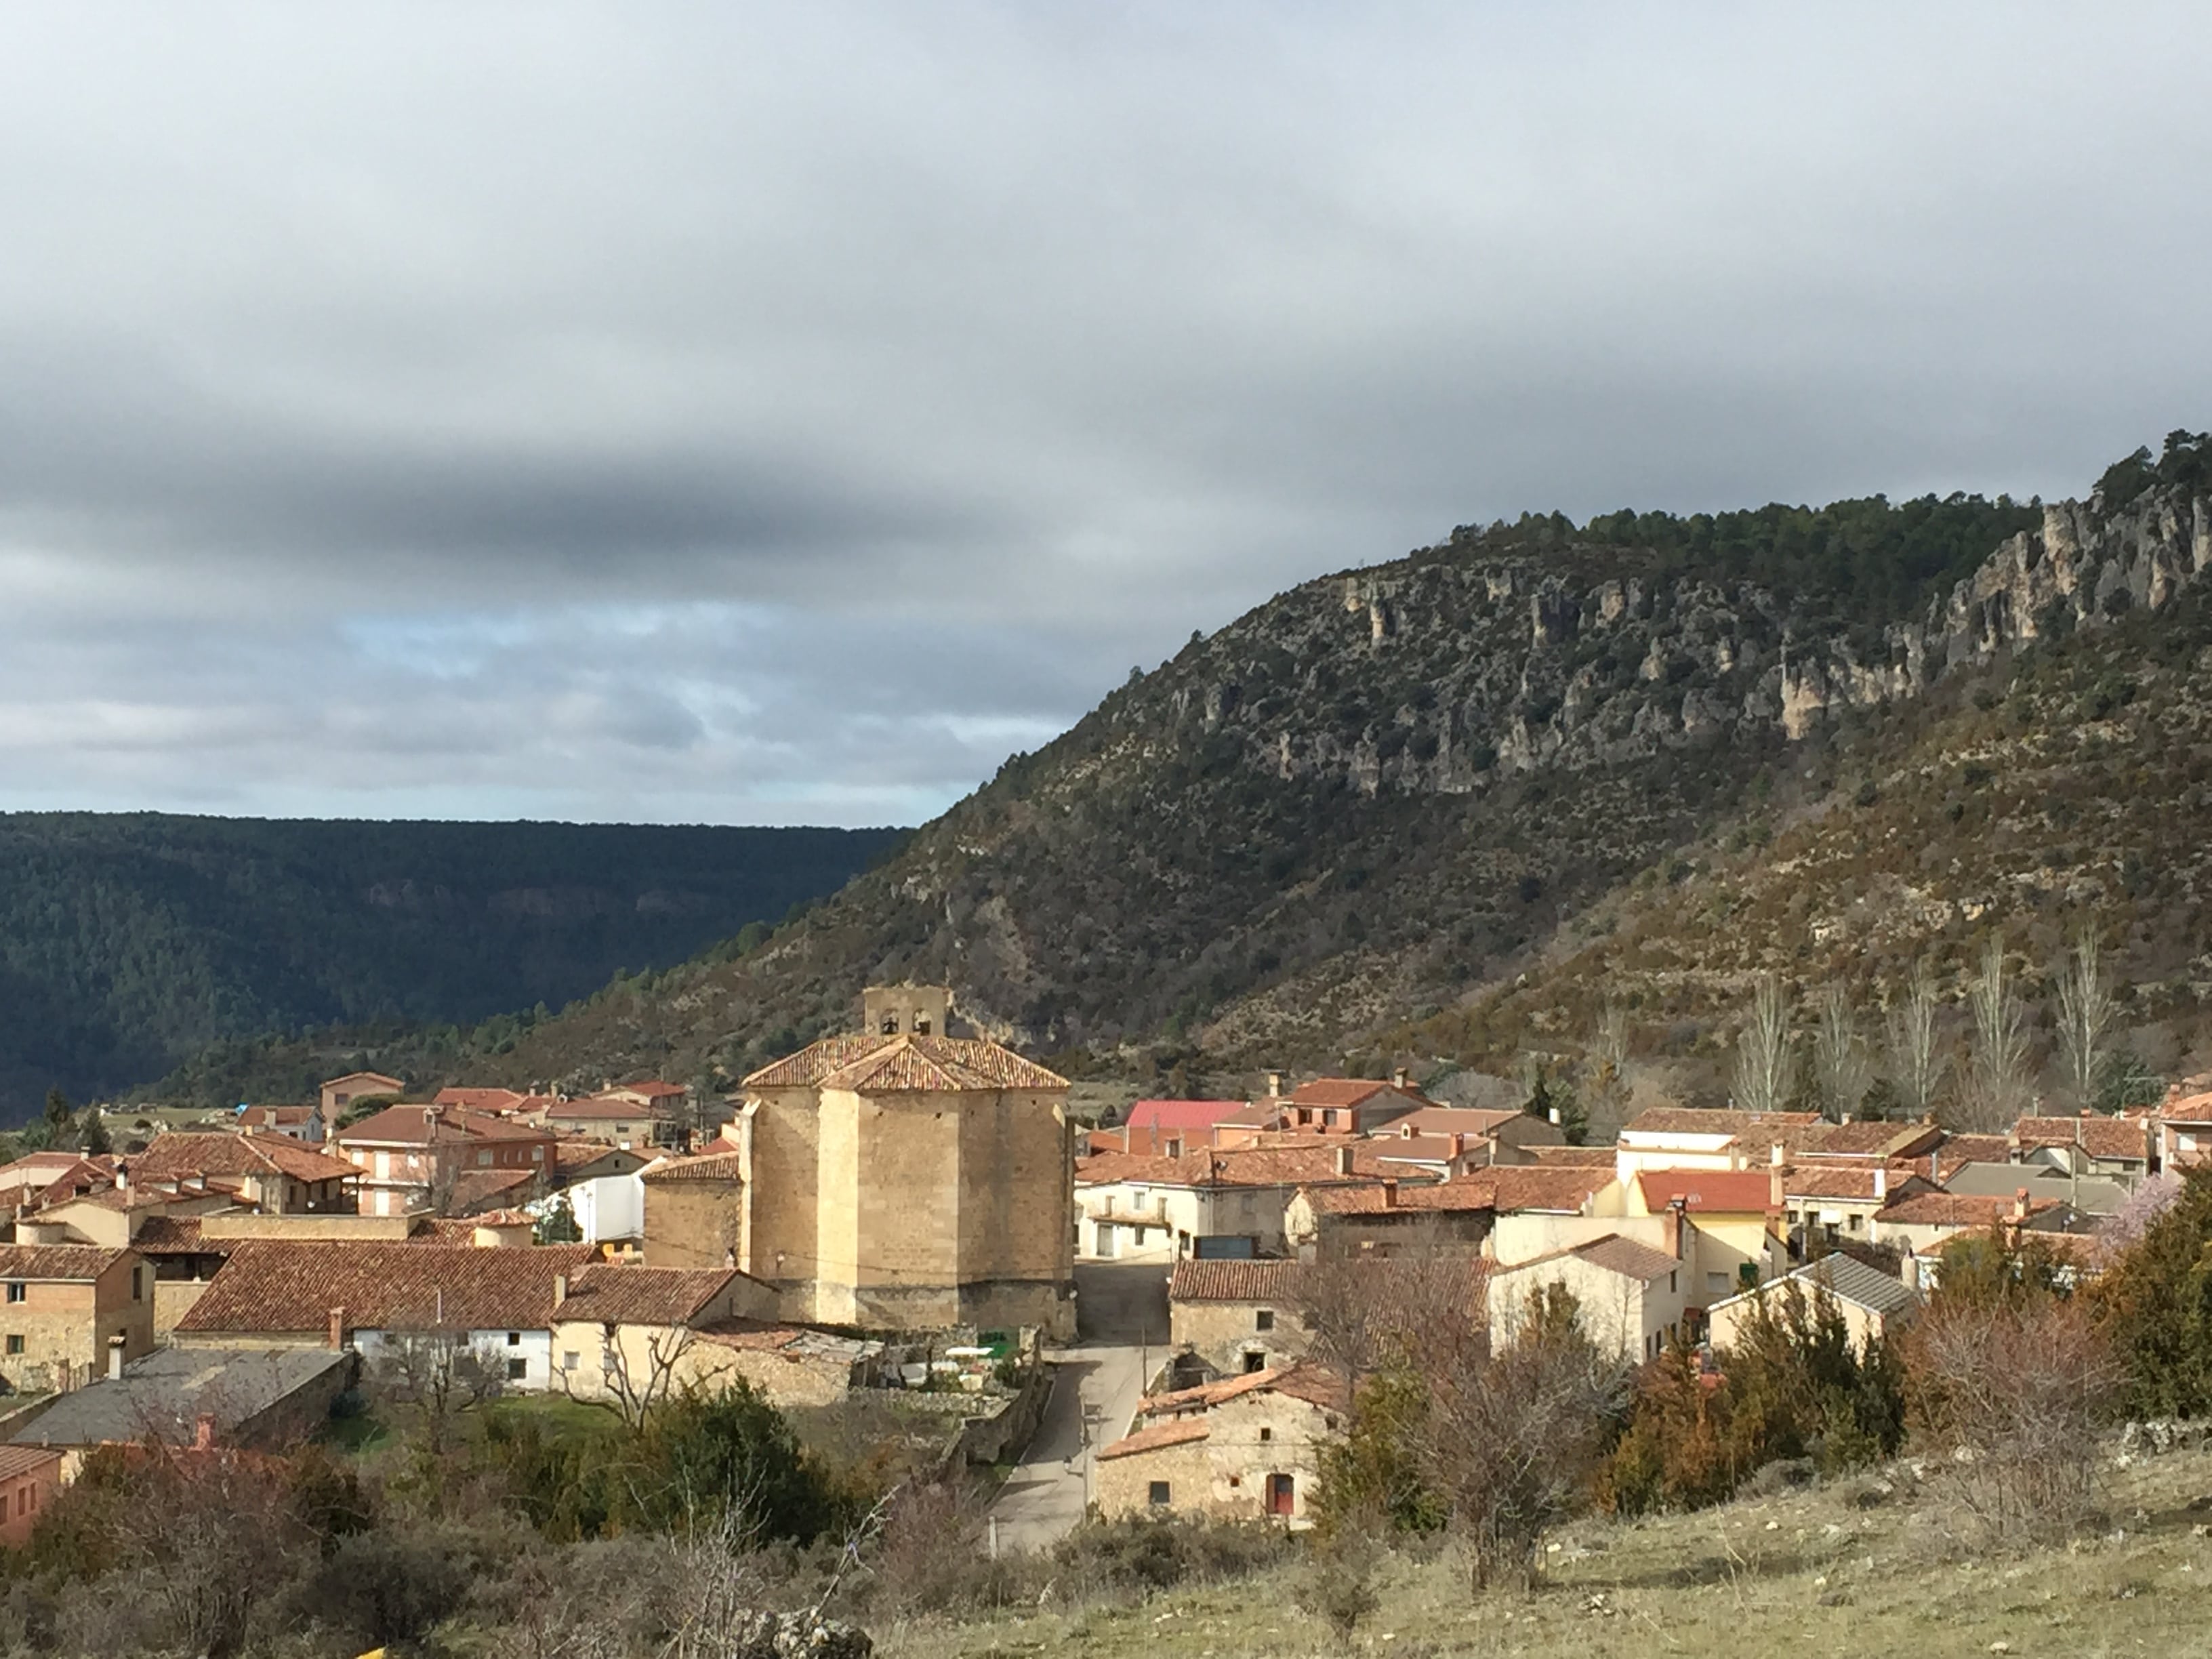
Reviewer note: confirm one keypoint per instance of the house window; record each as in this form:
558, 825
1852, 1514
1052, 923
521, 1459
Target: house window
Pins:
536, 1154
14, 1342
1266, 1434
569, 1359
1254, 1361
138, 1284
1140, 1238
517, 1369
1157, 1494
1716, 1284
1264, 1320
1671, 1287
515, 1339
17, 1293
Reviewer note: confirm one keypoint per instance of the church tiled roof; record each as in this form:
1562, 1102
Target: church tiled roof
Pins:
899, 1065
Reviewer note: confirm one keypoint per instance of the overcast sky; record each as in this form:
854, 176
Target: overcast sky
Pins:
779, 415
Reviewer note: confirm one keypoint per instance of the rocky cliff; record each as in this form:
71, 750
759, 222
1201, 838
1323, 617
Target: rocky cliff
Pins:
1373, 799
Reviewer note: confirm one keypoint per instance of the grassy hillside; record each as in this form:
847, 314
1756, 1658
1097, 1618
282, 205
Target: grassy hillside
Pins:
1868, 1567
129, 942
1343, 827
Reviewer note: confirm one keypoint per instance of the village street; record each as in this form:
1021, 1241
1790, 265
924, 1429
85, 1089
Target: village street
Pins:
1122, 1325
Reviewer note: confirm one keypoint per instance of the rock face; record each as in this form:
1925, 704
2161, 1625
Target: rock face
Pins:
798, 1636
1371, 792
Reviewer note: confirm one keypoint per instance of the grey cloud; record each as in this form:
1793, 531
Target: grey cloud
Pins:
898, 377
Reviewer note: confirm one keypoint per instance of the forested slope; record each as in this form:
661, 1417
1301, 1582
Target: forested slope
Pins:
129, 942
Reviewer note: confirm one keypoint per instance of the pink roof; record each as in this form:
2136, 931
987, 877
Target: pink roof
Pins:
1182, 1114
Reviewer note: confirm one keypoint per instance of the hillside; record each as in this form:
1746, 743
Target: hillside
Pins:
1348, 823
128, 942
1866, 1565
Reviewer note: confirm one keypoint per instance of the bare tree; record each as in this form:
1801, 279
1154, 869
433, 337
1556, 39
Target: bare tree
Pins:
1841, 1069
1996, 1090
1762, 1050
2087, 1014
1915, 1065
440, 1372
1423, 1306
1608, 1061
634, 1392
2014, 1393
1513, 1439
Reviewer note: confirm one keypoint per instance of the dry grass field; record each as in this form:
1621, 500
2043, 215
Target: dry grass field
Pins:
1869, 1566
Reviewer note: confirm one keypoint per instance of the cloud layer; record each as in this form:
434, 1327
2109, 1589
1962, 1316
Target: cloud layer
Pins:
773, 415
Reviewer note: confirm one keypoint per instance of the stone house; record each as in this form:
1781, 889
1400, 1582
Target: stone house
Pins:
29, 1478
1234, 1317
414, 1158
270, 1172
1244, 1448
1874, 1304
1218, 1201
695, 1210
340, 1092
1350, 1106
792, 1364
1630, 1299
617, 1325
2112, 1148
1383, 1216
381, 1298
1924, 1223
1690, 1138
68, 1311
624, 1123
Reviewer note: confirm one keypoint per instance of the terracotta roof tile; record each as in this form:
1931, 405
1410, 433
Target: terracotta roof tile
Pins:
1698, 1121
1147, 1115
1342, 1091
173, 1235
598, 1109
1610, 1251
476, 1190
701, 1166
242, 1152
1182, 1433
1232, 1281
2114, 1137
1735, 1192
412, 1126
881, 1065
1305, 1165
1590, 1158
73, 1262
623, 1294
1957, 1209
16, 1461
1456, 1121
269, 1288
479, 1100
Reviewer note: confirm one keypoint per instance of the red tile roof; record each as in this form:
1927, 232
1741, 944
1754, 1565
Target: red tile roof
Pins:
1698, 1121
2112, 1137
73, 1262
1456, 1121
1182, 1431
480, 1100
1309, 1164
19, 1461
1626, 1257
412, 1126
1591, 1158
1343, 1091
1378, 1197
477, 1190
570, 1155
598, 1110
392, 1083
1732, 1192
655, 1088
881, 1065
1311, 1383
703, 1166
1232, 1281
241, 1153
1957, 1209
272, 1287
610, 1293
173, 1235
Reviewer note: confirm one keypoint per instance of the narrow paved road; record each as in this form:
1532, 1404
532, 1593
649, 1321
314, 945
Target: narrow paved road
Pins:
1123, 1327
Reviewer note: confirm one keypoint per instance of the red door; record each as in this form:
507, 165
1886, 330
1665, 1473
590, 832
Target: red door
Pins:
1282, 1494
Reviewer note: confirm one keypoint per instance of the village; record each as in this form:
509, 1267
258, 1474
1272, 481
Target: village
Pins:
1126, 1316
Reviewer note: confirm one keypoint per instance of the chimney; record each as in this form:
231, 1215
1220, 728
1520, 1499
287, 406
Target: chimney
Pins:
337, 1327
1398, 1078
1776, 1156
1881, 1183
1344, 1160
560, 1289
429, 1119
2020, 1204
1676, 1208
1275, 1085
115, 1359
122, 1176
203, 1432
1389, 1194
1554, 1115
1458, 1147
1774, 1182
